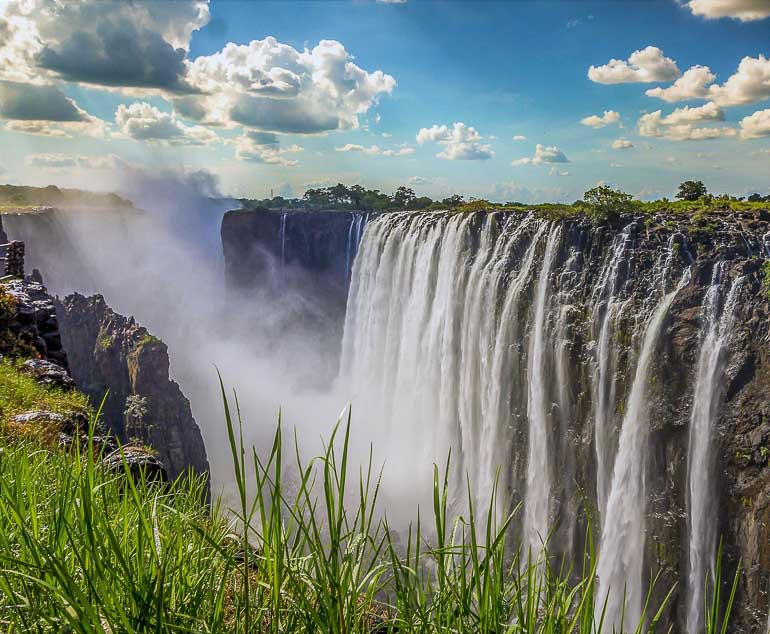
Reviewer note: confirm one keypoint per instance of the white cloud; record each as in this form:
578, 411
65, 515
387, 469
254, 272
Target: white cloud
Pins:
543, 154
744, 10
654, 124
65, 161
596, 122
272, 86
622, 144
143, 122
693, 84
460, 142
113, 44
255, 148
645, 65
375, 150
756, 125
519, 137
749, 84
707, 112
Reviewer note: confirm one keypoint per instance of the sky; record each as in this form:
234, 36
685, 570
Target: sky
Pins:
516, 100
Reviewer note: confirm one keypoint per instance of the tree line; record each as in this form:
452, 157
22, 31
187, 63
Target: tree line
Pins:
356, 197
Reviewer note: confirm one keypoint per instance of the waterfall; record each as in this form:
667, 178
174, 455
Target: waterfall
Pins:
716, 329
432, 333
621, 554
282, 238
536, 522
358, 222
528, 346
603, 376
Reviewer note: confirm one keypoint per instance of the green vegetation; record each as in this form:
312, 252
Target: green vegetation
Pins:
599, 203
692, 190
20, 393
147, 340
19, 197
83, 550
604, 202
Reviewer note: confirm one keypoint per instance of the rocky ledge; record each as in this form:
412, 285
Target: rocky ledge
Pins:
113, 358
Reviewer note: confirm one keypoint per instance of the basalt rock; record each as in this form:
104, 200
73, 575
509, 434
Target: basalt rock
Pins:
115, 359
48, 374
35, 323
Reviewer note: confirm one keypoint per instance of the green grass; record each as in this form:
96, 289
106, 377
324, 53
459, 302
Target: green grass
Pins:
20, 393
83, 551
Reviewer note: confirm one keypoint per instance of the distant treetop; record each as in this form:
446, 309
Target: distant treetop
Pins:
52, 196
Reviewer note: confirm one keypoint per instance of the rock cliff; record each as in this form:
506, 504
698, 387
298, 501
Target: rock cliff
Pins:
113, 355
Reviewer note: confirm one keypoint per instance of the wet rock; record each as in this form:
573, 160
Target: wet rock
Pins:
71, 423
48, 374
138, 462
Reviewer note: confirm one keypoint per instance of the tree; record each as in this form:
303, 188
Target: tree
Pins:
403, 197
604, 202
455, 200
692, 190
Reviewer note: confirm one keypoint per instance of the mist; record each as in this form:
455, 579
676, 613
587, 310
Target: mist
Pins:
163, 264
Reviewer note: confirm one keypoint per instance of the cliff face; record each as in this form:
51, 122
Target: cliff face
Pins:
261, 246
598, 294
34, 322
108, 351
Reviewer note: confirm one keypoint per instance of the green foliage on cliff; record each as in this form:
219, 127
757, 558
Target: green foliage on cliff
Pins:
21, 393
21, 196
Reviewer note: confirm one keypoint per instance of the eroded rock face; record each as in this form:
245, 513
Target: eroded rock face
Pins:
114, 356
36, 322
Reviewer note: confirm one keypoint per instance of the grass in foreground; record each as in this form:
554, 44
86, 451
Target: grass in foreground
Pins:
85, 551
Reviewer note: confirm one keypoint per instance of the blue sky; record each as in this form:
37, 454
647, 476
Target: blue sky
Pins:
287, 95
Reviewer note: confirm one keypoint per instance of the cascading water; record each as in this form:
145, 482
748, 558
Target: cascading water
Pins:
621, 555
528, 348
717, 324
606, 308
358, 222
282, 238
536, 522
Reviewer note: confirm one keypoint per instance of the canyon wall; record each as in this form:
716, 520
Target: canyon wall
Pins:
111, 355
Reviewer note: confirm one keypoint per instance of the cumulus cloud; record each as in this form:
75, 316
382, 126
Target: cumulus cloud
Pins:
749, 84
693, 84
28, 102
375, 150
65, 161
45, 110
706, 112
756, 125
255, 147
672, 127
744, 10
143, 122
116, 44
543, 154
622, 144
272, 86
460, 142
596, 122
643, 66
519, 137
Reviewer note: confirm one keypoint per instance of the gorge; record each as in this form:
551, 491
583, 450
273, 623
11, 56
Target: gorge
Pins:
611, 377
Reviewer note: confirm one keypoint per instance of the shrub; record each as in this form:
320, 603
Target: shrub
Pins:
691, 190
604, 202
